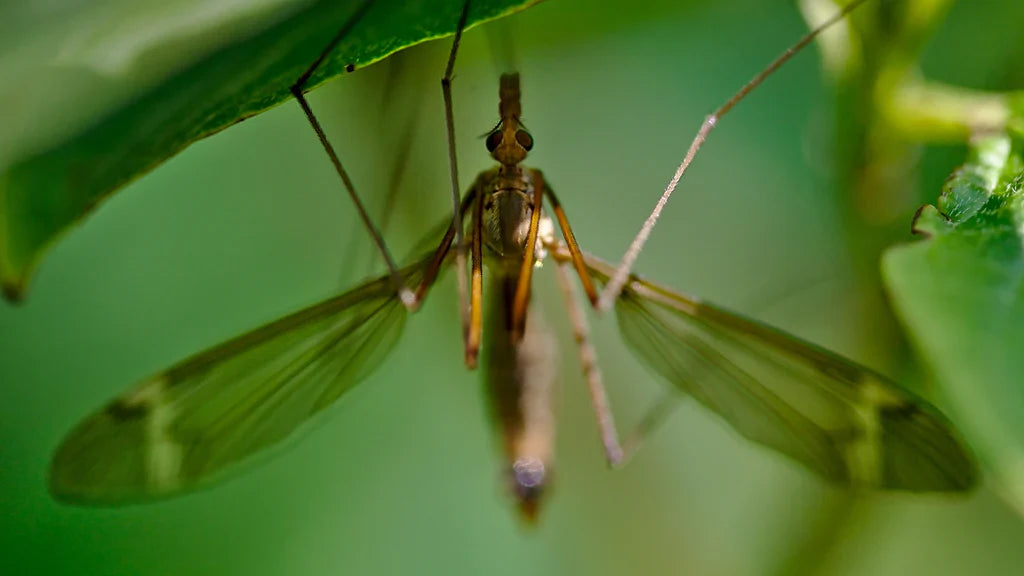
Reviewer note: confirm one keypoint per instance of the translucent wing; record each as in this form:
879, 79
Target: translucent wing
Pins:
843, 421
183, 427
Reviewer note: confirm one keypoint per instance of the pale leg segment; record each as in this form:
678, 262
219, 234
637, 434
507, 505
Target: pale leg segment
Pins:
591, 370
618, 279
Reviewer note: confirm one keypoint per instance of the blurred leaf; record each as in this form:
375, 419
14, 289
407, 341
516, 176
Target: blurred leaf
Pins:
960, 293
97, 94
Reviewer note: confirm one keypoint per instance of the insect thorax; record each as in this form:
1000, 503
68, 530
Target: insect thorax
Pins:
507, 211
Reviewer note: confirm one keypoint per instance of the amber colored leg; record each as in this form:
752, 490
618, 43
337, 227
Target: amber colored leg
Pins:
570, 241
522, 297
476, 285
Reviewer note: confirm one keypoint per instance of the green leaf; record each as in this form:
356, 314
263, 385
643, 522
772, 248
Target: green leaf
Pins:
960, 293
97, 94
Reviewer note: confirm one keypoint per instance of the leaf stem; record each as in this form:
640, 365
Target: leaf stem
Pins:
924, 111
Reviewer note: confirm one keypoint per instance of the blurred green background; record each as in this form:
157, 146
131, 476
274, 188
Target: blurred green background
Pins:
403, 475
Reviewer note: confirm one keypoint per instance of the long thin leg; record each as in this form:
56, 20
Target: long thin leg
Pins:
591, 370
453, 167
406, 295
618, 280
618, 454
522, 296
570, 240
477, 284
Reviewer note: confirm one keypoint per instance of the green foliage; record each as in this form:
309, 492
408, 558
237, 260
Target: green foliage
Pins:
153, 86
960, 293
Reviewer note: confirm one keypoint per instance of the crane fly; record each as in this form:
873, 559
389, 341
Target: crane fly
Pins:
192, 423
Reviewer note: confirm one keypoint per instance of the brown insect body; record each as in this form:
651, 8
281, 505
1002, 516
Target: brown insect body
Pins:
520, 363
519, 376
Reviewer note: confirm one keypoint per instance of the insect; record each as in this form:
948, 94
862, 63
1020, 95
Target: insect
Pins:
189, 425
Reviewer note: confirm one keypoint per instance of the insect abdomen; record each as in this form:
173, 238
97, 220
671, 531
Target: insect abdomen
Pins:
519, 381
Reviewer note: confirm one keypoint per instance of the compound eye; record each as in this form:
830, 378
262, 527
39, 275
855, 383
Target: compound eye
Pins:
493, 141
524, 139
